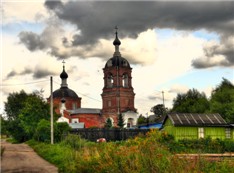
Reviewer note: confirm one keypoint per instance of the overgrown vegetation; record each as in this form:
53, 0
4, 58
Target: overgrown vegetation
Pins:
154, 152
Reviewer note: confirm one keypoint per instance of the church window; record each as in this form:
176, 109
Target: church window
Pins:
74, 106
110, 81
109, 103
125, 80
111, 119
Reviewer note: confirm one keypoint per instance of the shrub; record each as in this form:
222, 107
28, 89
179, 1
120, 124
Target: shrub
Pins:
61, 129
43, 131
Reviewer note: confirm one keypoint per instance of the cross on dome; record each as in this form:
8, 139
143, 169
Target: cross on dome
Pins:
116, 41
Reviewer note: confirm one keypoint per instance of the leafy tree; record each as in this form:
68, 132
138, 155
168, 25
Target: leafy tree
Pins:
191, 102
42, 132
14, 104
120, 121
108, 123
4, 124
23, 112
222, 100
159, 110
141, 120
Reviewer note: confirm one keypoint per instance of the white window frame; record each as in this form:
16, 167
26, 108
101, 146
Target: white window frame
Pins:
201, 133
228, 133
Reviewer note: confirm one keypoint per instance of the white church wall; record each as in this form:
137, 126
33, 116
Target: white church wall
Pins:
130, 119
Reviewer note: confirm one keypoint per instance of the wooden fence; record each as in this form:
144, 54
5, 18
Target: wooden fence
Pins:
109, 134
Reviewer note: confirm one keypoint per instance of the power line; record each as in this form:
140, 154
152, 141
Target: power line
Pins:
28, 83
81, 93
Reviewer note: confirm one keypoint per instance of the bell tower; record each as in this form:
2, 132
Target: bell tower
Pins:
117, 95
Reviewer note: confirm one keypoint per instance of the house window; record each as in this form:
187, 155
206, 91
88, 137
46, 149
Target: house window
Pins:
228, 133
201, 132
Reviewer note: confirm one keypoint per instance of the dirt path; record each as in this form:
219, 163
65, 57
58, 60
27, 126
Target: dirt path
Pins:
20, 158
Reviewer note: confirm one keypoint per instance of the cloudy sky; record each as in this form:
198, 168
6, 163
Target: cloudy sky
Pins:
171, 46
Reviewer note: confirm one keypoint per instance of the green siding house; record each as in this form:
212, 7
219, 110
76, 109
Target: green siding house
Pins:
195, 126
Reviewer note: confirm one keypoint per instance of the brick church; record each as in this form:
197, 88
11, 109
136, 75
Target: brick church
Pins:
117, 97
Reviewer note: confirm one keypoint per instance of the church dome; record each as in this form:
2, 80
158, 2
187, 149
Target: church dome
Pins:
117, 61
65, 93
63, 75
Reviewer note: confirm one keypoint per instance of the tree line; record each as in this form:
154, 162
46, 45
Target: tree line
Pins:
221, 101
28, 117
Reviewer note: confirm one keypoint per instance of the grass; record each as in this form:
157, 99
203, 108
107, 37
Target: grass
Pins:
141, 154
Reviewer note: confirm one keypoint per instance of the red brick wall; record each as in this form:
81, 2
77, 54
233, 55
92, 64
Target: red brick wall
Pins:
95, 120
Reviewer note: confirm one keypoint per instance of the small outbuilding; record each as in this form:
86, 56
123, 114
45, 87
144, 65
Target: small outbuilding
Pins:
195, 126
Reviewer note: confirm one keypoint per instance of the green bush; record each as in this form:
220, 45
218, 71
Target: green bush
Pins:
60, 130
43, 131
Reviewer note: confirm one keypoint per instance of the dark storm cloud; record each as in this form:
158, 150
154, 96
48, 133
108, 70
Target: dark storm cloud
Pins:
11, 74
225, 49
37, 73
31, 40
96, 20
41, 73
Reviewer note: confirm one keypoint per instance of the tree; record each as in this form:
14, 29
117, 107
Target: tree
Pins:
159, 110
141, 120
120, 121
14, 104
191, 102
23, 112
222, 100
108, 123
4, 124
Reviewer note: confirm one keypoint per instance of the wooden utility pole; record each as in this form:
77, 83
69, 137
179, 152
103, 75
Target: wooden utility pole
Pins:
51, 112
163, 98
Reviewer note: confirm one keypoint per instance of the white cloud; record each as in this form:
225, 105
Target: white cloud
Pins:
173, 59
176, 88
23, 11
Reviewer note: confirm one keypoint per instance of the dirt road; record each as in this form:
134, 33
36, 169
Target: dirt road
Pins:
20, 158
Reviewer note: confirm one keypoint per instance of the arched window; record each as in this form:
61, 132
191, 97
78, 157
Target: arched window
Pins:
110, 81
125, 80
109, 122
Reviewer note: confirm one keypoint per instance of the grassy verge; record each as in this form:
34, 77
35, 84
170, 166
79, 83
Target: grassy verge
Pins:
142, 154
